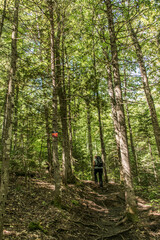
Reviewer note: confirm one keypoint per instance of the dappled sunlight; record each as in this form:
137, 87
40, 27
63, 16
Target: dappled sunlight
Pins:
93, 206
86, 210
142, 204
43, 184
9, 233
153, 213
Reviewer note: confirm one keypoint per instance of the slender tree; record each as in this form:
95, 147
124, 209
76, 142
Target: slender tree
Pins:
69, 109
46, 108
3, 17
153, 161
134, 165
8, 120
103, 150
90, 136
144, 77
56, 165
67, 169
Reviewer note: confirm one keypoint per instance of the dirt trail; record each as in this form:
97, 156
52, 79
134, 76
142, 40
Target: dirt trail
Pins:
87, 212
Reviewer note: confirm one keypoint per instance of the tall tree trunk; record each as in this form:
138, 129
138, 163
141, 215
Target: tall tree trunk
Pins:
134, 164
114, 112
129, 191
16, 118
46, 109
8, 120
3, 17
69, 112
48, 132
68, 176
56, 165
144, 77
90, 138
103, 150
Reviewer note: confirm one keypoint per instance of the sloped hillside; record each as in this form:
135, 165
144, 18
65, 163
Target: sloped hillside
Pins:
87, 212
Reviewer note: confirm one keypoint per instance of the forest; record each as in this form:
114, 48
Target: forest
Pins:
79, 78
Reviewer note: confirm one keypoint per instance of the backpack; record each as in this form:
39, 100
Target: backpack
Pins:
99, 162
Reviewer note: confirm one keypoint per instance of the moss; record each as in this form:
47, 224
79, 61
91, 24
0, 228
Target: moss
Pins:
132, 215
33, 226
58, 204
75, 202
80, 184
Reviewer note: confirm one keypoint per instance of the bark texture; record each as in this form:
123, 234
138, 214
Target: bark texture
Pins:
114, 112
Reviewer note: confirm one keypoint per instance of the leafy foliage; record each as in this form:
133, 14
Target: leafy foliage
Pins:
85, 38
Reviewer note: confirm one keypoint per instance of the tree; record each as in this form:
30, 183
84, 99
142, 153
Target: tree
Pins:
56, 165
134, 165
130, 196
145, 81
113, 105
90, 136
68, 176
81, 95
8, 120
3, 17
103, 150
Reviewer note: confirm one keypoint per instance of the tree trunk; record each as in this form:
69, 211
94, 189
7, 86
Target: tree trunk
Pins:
114, 113
67, 169
3, 17
150, 101
8, 120
134, 164
56, 165
90, 138
129, 191
16, 119
69, 114
103, 150
154, 168
46, 110
48, 132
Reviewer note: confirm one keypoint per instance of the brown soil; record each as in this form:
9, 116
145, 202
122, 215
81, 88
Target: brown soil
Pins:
87, 212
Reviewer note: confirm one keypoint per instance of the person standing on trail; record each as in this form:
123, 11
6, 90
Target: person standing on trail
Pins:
98, 170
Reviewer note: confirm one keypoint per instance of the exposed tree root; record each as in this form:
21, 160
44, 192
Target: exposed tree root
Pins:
115, 233
124, 219
88, 225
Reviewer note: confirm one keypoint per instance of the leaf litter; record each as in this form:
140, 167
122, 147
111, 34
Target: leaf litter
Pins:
87, 213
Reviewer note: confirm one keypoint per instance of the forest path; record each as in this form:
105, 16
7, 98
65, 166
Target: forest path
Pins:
87, 212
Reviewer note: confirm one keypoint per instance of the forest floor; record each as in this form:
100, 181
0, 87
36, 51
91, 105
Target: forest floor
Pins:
88, 212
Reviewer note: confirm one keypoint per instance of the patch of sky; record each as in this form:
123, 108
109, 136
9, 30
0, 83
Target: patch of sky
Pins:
135, 73
157, 2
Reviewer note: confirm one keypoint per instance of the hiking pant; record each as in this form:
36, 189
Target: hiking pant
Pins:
100, 173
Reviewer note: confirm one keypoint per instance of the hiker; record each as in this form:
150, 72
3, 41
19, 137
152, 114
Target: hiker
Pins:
98, 169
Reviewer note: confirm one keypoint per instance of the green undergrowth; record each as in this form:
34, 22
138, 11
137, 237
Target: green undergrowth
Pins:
151, 194
33, 226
